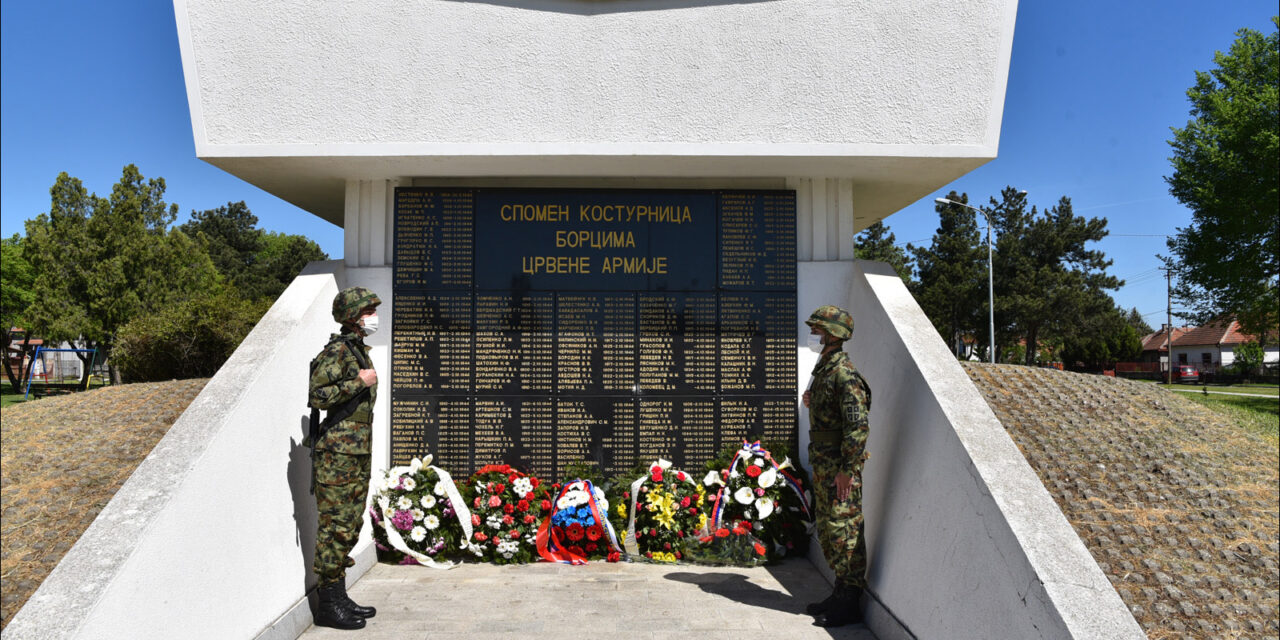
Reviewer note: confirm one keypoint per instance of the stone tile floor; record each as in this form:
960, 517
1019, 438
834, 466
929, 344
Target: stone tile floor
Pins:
617, 601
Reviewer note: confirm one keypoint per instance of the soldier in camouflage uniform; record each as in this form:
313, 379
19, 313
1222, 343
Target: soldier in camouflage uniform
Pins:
343, 382
839, 402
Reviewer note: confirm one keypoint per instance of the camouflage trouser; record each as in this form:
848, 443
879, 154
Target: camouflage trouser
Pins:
342, 483
839, 522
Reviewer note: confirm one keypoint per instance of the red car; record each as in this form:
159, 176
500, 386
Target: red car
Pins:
1186, 373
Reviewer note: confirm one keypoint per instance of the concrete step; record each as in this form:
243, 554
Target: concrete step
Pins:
631, 601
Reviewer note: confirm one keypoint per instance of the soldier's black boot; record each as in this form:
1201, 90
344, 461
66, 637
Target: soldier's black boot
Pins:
816, 608
847, 609
363, 612
333, 612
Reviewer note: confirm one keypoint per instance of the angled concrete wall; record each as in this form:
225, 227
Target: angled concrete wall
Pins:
963, 539
212, 535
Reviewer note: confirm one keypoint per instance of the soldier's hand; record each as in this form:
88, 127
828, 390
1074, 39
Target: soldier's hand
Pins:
843, 485
806, 399
368, 377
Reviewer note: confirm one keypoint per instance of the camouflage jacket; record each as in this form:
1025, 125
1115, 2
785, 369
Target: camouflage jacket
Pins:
840, 401
335, 378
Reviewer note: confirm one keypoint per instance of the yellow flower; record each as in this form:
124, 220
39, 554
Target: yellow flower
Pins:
622, 510
702, 521
666, 515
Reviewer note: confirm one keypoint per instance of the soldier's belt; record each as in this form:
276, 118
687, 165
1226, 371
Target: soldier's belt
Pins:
826, 437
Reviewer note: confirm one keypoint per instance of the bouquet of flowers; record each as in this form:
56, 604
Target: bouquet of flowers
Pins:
418, 514
506, 507
578, 528
759, 490
664, 509
729, 545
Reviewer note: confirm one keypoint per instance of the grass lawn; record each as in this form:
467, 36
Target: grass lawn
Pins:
1253, 387
7, 397
1260, 415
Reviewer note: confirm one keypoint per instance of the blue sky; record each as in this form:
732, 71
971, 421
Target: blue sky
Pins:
1093, 89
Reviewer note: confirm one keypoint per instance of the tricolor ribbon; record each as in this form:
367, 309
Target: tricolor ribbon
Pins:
460, 511
553, 548
748, 450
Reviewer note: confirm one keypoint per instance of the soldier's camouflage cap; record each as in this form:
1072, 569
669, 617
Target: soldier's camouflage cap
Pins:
834, 320
349, 302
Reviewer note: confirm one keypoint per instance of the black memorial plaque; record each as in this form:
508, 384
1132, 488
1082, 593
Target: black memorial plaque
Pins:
542, 327
433, 239
431, 346
677, 343
514, 336
757, 343
596, 343
758, 240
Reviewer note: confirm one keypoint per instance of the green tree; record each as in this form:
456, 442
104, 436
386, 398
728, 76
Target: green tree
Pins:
1047, 281
1249, 357
101, 262
1225, 166
876, 242
17, 283
1138, 323
1102, 337
259, 264
952, 274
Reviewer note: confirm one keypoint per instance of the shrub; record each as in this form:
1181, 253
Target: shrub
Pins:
186, 340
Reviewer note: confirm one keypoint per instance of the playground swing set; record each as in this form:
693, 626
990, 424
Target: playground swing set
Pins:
53, 373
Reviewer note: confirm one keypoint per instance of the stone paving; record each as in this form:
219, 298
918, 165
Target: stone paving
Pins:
622, 600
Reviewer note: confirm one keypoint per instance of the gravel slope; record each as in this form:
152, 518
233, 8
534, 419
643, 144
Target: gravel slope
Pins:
1179, 506
61, 460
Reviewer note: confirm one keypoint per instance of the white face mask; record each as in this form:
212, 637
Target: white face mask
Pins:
815, 343
369, 324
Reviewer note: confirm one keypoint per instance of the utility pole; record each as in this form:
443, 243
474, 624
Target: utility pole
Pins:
1168, 327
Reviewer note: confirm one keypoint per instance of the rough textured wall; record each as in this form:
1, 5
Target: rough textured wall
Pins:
900, 72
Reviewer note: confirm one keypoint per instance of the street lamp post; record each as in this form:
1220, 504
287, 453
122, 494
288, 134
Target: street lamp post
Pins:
991, 287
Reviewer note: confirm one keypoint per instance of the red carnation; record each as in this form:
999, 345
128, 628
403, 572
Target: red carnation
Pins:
508, 520
614, 556
575, 549
685, 501
513, 477
546, 505
657, 476
681, 476
528, 518
759, 548
753, 470
680, 533
495, 501
591, 546
535, 481
523, 505
666, 545
514, 534
693, 510
508, 508
500, 488
575, 531
626, 494
594, 532
655, 469
528, 496
722, 532
653, 533
481, 536
678, 555
639, 534
475, 520
476, 503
